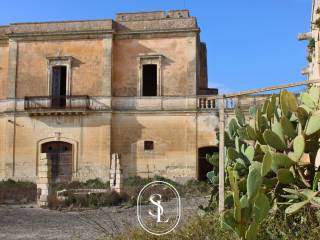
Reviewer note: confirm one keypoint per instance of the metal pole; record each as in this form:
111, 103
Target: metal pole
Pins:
221, 154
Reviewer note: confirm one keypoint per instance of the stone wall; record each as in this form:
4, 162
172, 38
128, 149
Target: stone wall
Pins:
89, 136
175, 143
4, 50
87, 66
178, 64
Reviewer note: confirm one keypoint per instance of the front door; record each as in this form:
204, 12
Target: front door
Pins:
60, 155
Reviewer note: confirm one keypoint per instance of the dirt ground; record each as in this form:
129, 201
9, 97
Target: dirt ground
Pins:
28, 222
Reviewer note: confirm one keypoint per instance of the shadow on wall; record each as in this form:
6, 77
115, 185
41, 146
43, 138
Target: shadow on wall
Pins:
126, 133
76, 62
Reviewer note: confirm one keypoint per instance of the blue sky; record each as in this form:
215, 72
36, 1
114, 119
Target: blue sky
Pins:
251, 43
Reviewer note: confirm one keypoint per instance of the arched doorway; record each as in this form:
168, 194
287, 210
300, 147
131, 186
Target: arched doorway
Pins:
203, 165
60, 154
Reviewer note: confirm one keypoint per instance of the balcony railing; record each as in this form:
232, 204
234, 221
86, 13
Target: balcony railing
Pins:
80, 102
243, 102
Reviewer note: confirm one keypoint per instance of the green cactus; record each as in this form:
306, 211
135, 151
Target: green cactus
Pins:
288, 128
240, 117
313, 125
306, 195
271, 157
273, 140
254, 181
285, 176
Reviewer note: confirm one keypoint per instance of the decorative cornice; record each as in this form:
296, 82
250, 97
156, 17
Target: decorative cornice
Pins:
135, 24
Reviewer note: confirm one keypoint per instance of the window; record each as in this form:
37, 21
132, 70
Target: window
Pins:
59, 79
148, 145
59, 87
149, 82
149, 79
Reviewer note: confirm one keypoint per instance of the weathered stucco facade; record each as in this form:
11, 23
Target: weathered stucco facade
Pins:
78, 89
312, 71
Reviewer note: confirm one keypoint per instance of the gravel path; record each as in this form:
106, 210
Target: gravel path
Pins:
26, 222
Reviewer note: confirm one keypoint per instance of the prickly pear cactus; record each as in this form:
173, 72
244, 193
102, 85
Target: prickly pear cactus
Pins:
270, 160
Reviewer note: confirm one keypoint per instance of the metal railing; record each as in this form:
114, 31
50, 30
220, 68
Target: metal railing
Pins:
57, 102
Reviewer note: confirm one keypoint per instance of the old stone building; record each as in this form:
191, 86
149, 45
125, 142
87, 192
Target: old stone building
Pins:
82, 90
312, 71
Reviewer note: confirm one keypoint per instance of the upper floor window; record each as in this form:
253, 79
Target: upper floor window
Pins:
149, 80
59, 79
59, 86
149, 83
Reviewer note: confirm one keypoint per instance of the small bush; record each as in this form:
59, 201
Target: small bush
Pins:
17, 192
196, 228
305, 225
89, 184
277, 226
136, 182
196, 188
311, 45
93, 200
131, 188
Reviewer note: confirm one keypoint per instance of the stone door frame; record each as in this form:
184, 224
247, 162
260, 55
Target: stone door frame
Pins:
75, 147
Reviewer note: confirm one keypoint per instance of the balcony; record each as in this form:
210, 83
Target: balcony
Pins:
46, 105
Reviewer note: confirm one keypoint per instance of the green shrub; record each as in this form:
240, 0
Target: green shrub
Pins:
17, 191
89, 184
304, 225
311, 45
131, 188
92, 200
276, 227
197, 228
